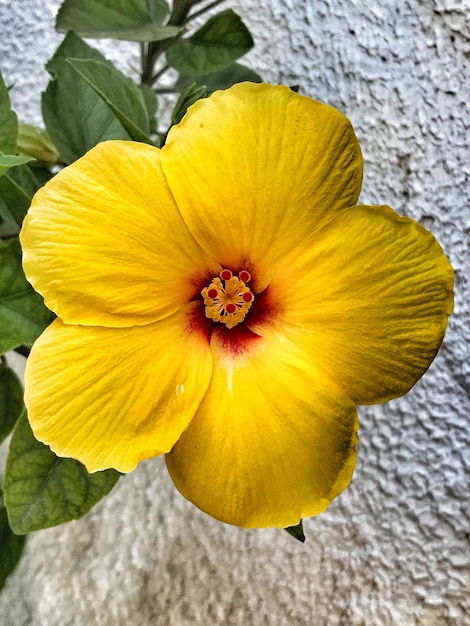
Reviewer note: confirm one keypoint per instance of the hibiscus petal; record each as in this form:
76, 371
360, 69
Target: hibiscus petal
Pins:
273, 440
257, 168
111, 397
369, 295
104, 242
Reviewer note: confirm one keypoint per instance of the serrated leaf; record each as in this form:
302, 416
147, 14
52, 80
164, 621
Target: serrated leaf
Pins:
76, 117
11, 546
189, 96
114, 19
11, 400
223, 79
296, 531
43, 490
119, 92
11, 160
223, 39
23, 315
8, 121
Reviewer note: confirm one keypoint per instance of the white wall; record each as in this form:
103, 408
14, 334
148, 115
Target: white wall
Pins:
393, 549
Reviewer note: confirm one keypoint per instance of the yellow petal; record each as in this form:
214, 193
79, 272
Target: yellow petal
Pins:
104, 243
111, 397
257, 168
369, 295
273, 440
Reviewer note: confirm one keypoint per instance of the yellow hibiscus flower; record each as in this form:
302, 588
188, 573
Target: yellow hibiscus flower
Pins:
222, 301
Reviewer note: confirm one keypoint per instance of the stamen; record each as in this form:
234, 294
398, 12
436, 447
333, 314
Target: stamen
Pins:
227, 299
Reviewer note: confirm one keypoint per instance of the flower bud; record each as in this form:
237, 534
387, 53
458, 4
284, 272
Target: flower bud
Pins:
36, 143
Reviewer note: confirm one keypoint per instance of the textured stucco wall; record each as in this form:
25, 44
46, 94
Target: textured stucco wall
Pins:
394, 548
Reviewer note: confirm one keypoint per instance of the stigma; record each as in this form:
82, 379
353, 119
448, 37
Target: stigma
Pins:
227, 299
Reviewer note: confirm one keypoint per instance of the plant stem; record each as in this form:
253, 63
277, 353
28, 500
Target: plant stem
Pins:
156, 76
179, 12
165, 90
204, 9
153, 49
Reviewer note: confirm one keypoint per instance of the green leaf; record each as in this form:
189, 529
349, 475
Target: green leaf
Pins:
14, 203
76, 117
189, 96
8, 226
216, 45
43, 490
296, 531
158, 10
114, 19
119, 92
17, 187
8, 122
15, 195
24, 178
42, 174
11, 400
11, 545
223, 79
23, 315
9, 160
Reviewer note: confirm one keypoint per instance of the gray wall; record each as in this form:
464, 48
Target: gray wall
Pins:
393, 549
